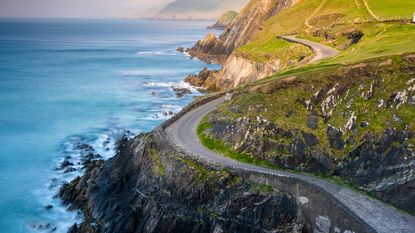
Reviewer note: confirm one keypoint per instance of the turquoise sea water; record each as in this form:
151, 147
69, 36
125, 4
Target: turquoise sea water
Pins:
64, 83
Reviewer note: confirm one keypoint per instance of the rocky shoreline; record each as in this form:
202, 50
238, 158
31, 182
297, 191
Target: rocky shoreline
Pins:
148, 187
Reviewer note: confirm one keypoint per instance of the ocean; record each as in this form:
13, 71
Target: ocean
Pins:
65, 84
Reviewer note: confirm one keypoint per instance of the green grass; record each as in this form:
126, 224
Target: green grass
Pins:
333, 18
392, 8
159, 168
227, 151
379, 40
203, 173
265, 45
275, 49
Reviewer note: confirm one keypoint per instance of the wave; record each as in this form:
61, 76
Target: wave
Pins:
181, 84
164, 53
77, 152
154, 72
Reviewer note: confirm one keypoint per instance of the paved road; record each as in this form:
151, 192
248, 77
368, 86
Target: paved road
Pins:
380, 217
321, 51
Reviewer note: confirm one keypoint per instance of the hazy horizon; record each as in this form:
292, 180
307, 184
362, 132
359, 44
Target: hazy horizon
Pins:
79, 8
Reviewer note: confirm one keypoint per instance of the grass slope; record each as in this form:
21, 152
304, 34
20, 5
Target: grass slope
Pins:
333, 23
392, 8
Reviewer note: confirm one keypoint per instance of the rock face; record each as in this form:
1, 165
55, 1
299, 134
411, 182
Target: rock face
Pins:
240, 31
224, 20
146, 188
385, 166
239, 70
205, 79
209, 49
343, 130
264, 140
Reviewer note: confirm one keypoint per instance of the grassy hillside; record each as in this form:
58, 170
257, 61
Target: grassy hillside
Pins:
392, 8
337, 23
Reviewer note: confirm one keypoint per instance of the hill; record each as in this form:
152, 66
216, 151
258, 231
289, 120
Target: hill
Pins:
199, 9
224, 20
348, 118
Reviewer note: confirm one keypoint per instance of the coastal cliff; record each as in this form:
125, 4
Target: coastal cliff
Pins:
151, 187
349, 122
354, 122
237, 68
241, 30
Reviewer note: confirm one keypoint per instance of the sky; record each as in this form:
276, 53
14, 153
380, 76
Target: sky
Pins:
80, 8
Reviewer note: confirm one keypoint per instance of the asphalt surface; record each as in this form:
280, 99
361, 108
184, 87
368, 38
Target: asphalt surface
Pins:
381, 217
321, 51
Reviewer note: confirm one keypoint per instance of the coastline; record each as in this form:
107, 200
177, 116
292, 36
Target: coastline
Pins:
81, 121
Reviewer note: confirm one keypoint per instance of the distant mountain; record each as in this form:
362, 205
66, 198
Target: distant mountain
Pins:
199, 9
224, 20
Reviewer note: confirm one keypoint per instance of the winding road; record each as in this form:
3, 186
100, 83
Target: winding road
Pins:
321, 51
380, 217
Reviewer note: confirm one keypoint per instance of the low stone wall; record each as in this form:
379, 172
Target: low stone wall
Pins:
320, 211
190, 107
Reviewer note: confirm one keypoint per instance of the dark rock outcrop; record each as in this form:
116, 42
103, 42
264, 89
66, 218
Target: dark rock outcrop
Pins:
148, 189
384, 166
264, 140
180, 92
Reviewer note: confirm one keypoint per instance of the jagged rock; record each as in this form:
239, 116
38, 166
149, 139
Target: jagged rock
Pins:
65, 164
368, 95
88, 158
310, 139
157, 191
180, 49
329, 102
335, 138
73, 229
180, 92
312, 121
49, 207
381, 166
381, 103
85, 147
69, 170
364, 124
209, 49
399, 98
168, 113
239, 32
205, 78
351, 123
